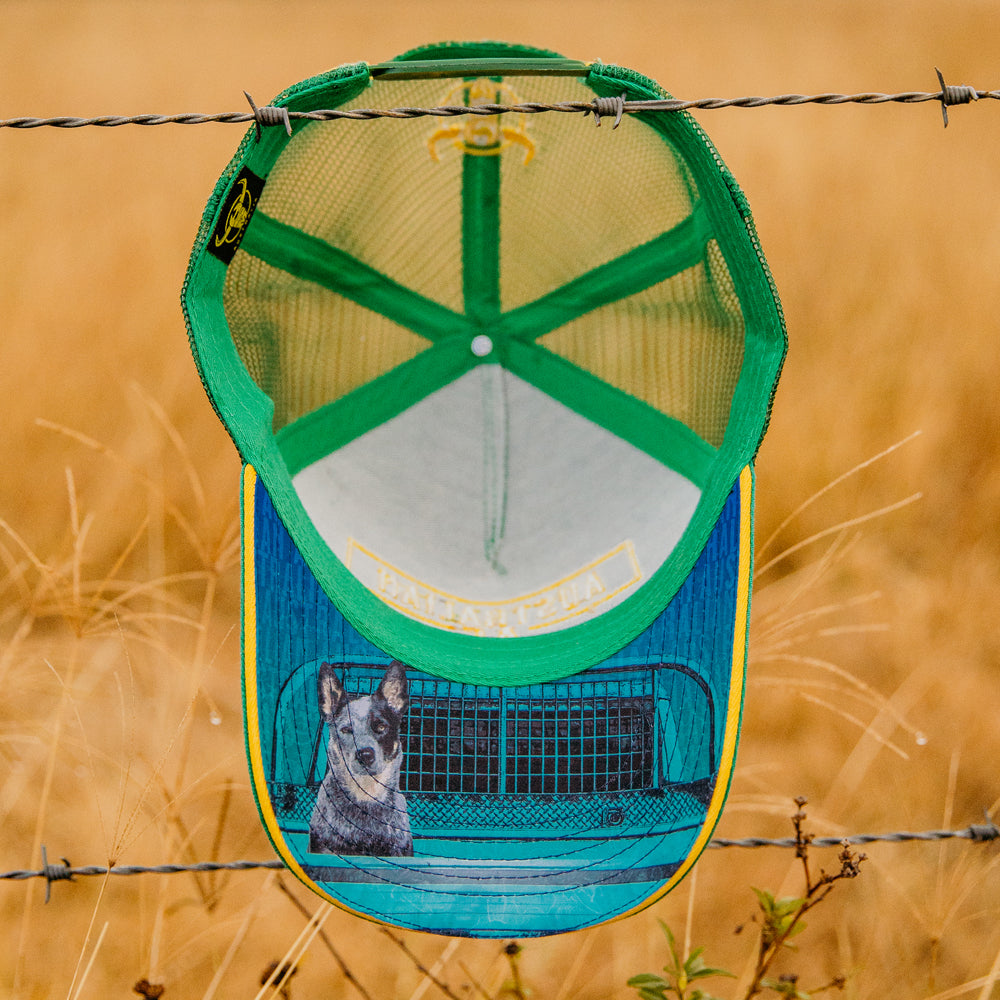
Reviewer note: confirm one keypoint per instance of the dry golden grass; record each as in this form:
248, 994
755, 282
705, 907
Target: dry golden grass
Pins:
874, 675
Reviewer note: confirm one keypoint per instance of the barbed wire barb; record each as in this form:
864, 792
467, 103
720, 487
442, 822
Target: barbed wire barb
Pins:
54, 873
269, 115
976, 833
954, 95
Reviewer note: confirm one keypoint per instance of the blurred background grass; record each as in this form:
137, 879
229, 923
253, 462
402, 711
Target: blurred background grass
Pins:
874, 687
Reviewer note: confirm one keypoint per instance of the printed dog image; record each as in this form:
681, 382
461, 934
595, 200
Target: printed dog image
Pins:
359, 808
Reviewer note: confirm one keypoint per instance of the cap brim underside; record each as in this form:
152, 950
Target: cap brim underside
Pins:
489, 810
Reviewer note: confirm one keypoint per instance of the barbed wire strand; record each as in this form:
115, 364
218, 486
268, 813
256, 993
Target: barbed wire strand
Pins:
270, 116
976, 833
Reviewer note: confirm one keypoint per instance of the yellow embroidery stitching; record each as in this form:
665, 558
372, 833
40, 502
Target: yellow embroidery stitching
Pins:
483, 136
580, 593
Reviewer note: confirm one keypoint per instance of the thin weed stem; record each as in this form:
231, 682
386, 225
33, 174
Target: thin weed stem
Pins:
689, 919
782, 918
442, 960
227, 960
515, 986
286, 966
90, 928
834, 529
769, 541
348, 975
43, 800
418, 965
90, 963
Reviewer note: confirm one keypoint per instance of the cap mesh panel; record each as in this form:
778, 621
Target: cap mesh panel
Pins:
304, 345
373, 189
678, 346
588, 195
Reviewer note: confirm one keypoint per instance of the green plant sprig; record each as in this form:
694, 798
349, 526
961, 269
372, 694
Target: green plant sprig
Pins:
681, 974
781, 920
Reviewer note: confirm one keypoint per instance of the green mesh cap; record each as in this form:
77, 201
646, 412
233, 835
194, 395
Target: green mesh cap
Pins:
497, 375
497, 383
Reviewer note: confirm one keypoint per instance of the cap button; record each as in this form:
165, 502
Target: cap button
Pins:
481, 345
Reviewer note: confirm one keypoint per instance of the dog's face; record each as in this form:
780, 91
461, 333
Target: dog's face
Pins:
364, 746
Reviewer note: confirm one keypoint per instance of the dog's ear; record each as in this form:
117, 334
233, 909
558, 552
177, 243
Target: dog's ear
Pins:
331, 692
392, 690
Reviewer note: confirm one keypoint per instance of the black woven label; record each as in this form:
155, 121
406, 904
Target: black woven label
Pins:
235, 215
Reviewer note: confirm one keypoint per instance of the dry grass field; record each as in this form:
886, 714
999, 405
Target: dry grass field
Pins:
875, 650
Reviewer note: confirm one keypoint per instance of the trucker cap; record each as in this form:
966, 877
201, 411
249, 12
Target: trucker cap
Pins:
497, 383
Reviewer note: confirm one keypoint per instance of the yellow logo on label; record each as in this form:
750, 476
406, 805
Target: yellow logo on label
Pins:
238, 215
581, 593
483, 135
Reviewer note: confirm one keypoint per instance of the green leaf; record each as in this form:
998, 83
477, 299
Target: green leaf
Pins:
651, 986
707, 971
681, 973
672, 942
697, 969
788, 905
647, 979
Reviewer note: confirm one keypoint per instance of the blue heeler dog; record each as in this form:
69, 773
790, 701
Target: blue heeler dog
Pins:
359, 808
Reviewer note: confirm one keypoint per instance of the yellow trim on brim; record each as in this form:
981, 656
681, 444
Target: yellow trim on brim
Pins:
261, 793
731, 736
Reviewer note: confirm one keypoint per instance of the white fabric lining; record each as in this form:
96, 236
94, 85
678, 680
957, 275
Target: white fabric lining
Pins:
489, 489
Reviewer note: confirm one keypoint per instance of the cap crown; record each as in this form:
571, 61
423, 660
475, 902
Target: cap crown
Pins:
474, 358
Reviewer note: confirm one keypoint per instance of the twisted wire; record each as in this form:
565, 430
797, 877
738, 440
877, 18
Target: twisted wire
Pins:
977, 833
601, 106
66, 872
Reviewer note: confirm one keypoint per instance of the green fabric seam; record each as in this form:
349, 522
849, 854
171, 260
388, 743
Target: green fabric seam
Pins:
312, 259
291, 250
481, 238
241, 406
641, 268
317, 434
665, 439
737, 241
447, 52
478, 659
